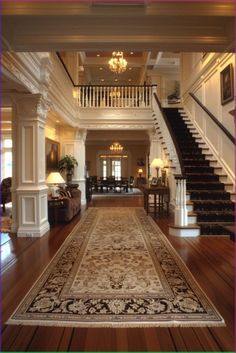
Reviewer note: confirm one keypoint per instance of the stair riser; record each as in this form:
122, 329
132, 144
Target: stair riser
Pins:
215, 218
206, 178
209, 196
192, 219
204, 186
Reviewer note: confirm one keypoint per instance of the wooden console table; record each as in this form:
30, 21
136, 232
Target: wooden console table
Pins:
54, 205
161, 197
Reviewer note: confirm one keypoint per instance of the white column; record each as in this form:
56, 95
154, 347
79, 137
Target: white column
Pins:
181, 214
30, 190
155, 150
74, 144
80, 170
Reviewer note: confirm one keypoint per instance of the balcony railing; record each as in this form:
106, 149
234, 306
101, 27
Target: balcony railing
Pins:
114, 96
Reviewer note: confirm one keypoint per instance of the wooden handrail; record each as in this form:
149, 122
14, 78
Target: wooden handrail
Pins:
172, 136
216, 121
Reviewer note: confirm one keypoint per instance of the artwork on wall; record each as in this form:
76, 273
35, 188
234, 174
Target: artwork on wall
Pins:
140, 162
226, 84
52, 155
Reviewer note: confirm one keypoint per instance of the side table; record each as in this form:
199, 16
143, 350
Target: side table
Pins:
54, 205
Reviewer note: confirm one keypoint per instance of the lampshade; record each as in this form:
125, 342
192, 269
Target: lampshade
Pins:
55, 178
140, 171
157, 163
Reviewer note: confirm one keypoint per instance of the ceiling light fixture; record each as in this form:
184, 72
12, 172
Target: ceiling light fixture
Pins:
116, 147
117, 63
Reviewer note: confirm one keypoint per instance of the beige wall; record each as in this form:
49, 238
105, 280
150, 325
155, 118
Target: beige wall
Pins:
129, 165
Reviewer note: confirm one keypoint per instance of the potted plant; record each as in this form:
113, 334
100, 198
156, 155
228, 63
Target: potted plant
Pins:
68, 164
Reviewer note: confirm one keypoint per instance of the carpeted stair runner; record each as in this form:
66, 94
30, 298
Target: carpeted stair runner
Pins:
211, 203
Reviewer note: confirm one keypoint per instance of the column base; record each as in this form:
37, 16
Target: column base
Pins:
33, 232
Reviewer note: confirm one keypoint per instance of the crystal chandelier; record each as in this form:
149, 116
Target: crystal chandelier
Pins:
116, 147
117, 63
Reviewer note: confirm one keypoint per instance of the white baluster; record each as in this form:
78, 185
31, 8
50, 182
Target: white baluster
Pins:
122, 97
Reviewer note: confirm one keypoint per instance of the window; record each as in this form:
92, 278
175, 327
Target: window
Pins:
6, 158
116, 168
104, 168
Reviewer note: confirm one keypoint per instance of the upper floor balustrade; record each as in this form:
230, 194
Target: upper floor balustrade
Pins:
114, 96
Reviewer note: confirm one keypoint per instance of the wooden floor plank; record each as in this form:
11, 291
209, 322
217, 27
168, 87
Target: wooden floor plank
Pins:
78, 339
101, 340
207, 341
177, 339
65, 340
191, 340
122, 340
23, 339
136, 340
46, 339
210, 259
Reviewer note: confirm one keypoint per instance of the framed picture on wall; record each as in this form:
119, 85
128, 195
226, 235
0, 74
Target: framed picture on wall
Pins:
52, 149
227, 84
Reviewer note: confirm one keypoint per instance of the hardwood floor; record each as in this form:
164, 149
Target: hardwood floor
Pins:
210, 259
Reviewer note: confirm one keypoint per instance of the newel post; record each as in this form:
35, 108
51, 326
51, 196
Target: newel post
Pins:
181, 214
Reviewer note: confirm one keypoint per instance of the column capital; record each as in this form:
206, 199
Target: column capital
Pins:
152, 135
45, 71
31, 106
81, 134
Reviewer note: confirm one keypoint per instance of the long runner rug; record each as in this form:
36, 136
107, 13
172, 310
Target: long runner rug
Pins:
116, 269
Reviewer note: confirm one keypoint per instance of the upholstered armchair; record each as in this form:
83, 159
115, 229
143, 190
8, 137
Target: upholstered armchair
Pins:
5, 191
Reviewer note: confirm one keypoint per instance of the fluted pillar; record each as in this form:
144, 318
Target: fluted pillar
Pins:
181, 213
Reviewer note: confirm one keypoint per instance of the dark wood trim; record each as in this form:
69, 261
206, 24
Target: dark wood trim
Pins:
216, 121
65, 68
171, 134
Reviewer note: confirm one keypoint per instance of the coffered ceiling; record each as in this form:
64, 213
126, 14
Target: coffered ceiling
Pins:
94, 68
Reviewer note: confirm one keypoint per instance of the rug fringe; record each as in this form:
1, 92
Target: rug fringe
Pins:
114, 324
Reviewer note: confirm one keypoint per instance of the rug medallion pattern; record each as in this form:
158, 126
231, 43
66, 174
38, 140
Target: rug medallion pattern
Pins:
116, 269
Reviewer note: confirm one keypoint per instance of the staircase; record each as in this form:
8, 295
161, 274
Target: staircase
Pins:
209, 204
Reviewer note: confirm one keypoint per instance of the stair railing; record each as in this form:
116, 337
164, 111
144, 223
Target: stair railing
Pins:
92, 96
180, 218
216, 121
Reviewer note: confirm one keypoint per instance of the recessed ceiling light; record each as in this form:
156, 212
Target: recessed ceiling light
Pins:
129, 80
102, 79
116, 79
101, 68
98, 54
131, 52
130, 68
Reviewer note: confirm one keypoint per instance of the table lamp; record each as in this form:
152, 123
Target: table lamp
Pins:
140, 171
157, 163
54, 178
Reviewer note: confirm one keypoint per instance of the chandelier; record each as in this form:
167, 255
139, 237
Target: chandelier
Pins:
117, 63
116, 147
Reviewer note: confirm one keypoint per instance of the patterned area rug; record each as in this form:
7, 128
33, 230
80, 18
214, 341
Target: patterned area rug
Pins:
116, 269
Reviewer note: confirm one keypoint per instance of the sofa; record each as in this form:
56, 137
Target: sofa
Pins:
5, 191
66, 207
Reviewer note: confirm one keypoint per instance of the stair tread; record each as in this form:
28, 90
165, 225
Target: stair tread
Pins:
213, 212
